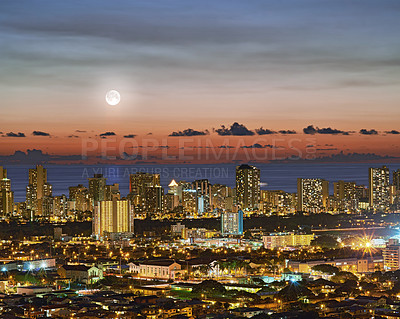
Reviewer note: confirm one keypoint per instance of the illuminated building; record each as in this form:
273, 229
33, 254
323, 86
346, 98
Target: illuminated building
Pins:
391, 255
203, 195
154, 200
80, 196
144, 192
221, 197
3, 172
189, 200
139, 181
281, 240
173, 187
247, 186
112, 191
355, 265
171, 201
278, 200
37, 189
232, 223
396, 179
97, 188
346, 195
112, 216
6, 195
312, 194
379, 196
162, 269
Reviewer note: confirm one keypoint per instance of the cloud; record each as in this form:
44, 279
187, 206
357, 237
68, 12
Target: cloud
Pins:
129, 136
189, 132
35, 156
40, 133
12, 134
257, 145
287, 132
392, 132
235, 129
326, 130
106, 134
368, 132
341, 157
262, 131
309, 130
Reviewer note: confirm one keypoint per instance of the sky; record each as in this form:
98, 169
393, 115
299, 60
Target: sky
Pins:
191, 67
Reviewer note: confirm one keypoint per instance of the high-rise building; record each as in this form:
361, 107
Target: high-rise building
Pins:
278, 201
247, 186
221, 197
139, 181
112, 191
203, 195
97, 188
391, 255
396, 179
37, 189
3, 172
143, 188
154, 200
170, 202
379, 192
173, 187
6, 195
113, 216
345, 193
312, 195
60, 206
187, 196
80, 196
232, 223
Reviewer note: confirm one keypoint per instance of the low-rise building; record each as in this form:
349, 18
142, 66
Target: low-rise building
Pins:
278, 240
162, 269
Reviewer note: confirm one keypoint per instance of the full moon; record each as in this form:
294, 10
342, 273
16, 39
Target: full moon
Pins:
113, 97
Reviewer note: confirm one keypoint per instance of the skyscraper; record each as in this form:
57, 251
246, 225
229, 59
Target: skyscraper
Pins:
146, 192
112, 216
232, 223
379, 192
247, 186
312, 194
346, 195
37, 189
6, 195
396, 179
97, 188
203, 195
80, 197
3, 172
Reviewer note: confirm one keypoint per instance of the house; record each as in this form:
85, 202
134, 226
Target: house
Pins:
81, 273
161, 269
134, 268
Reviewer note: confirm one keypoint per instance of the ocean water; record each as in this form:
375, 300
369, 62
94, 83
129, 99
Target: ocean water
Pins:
273, 176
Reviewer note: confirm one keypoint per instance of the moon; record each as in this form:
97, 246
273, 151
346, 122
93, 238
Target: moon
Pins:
113, 97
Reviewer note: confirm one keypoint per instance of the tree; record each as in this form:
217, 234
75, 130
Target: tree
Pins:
295, 291
325, 241
326, 269
343, 276
209, 287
